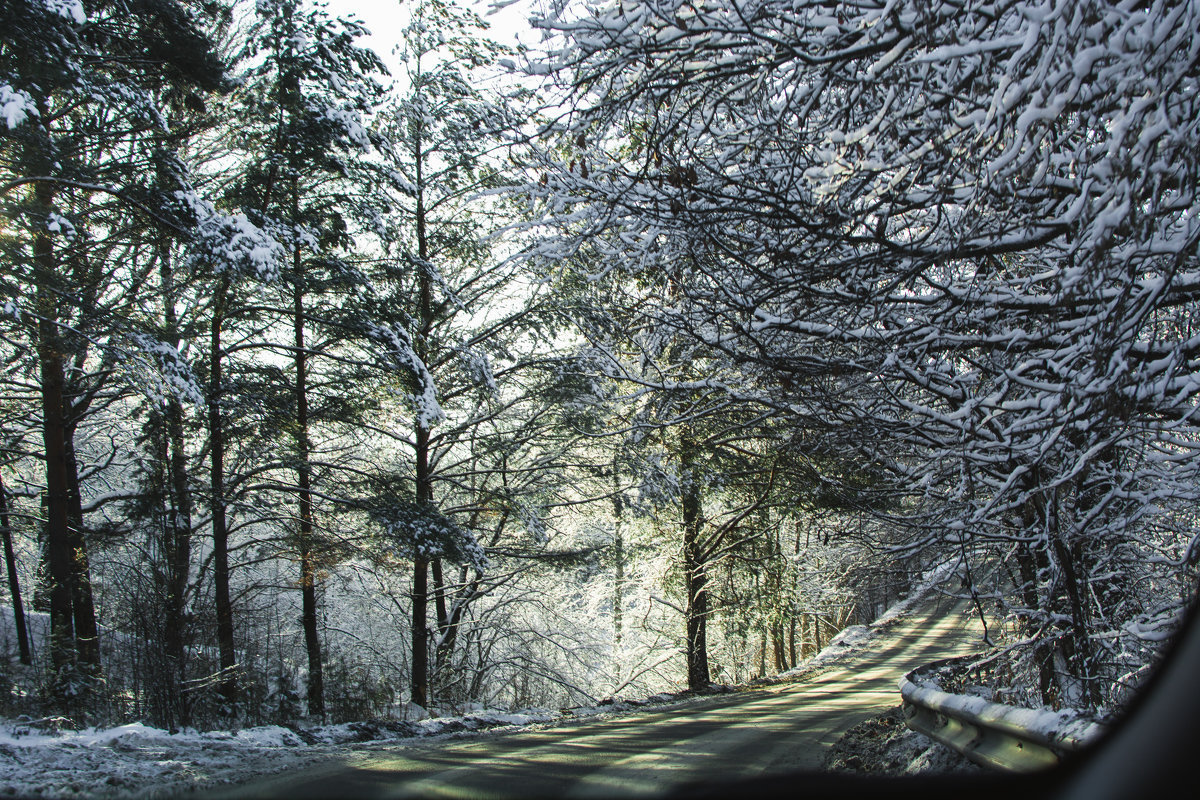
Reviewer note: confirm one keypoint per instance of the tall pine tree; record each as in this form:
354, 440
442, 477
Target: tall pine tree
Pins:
308, 91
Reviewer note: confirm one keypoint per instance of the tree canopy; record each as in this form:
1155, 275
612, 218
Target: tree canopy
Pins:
649, 356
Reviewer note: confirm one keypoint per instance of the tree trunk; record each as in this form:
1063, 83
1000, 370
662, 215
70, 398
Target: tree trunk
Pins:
695, 571
468, 590
177, 548
312, 639
423, 478
439, 597
1078, 657
14, 584
792, 642
444, 649
83, 606
227, 687
778, 597
1029, 563
618, 558
420, 635
179, 557
420, 599
446, 630
420, 595
57, 535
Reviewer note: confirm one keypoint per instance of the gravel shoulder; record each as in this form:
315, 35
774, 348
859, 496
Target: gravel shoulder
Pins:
885, 746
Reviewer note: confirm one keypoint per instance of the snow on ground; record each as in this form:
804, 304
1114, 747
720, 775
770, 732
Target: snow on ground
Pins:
140, 761
39, 759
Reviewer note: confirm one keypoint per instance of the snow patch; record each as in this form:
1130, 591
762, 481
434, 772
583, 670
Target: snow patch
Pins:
16, 106
67, 9
58, 224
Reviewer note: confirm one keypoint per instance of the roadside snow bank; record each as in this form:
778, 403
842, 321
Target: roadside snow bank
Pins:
44, 758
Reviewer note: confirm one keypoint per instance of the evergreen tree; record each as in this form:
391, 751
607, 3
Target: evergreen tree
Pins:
307, 93
85, 96
463, 324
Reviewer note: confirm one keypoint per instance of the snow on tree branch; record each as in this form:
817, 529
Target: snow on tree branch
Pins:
399, 354
414, 531
230, 243
16, 106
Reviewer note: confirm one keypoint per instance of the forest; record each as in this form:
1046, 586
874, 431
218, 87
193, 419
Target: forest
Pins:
646, 357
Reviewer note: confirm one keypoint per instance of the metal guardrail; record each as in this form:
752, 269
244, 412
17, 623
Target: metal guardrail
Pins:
991, 734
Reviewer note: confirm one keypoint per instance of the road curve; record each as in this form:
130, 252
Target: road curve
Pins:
741, 736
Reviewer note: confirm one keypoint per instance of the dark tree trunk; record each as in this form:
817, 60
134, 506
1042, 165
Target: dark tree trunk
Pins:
420, 634
308, 583
792, 642
83, 606
1029, 563
178, 547
618, 557
446, 630
449, 636
424, 477
695, 572
439, 597
57, 535
227, 687
179, 556
420, 598
312, 641
14, 584
58, 539
1079, 654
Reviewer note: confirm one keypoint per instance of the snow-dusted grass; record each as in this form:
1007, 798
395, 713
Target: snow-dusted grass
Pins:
137, 760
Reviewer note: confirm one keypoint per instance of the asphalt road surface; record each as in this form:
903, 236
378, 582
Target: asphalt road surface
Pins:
739, 736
